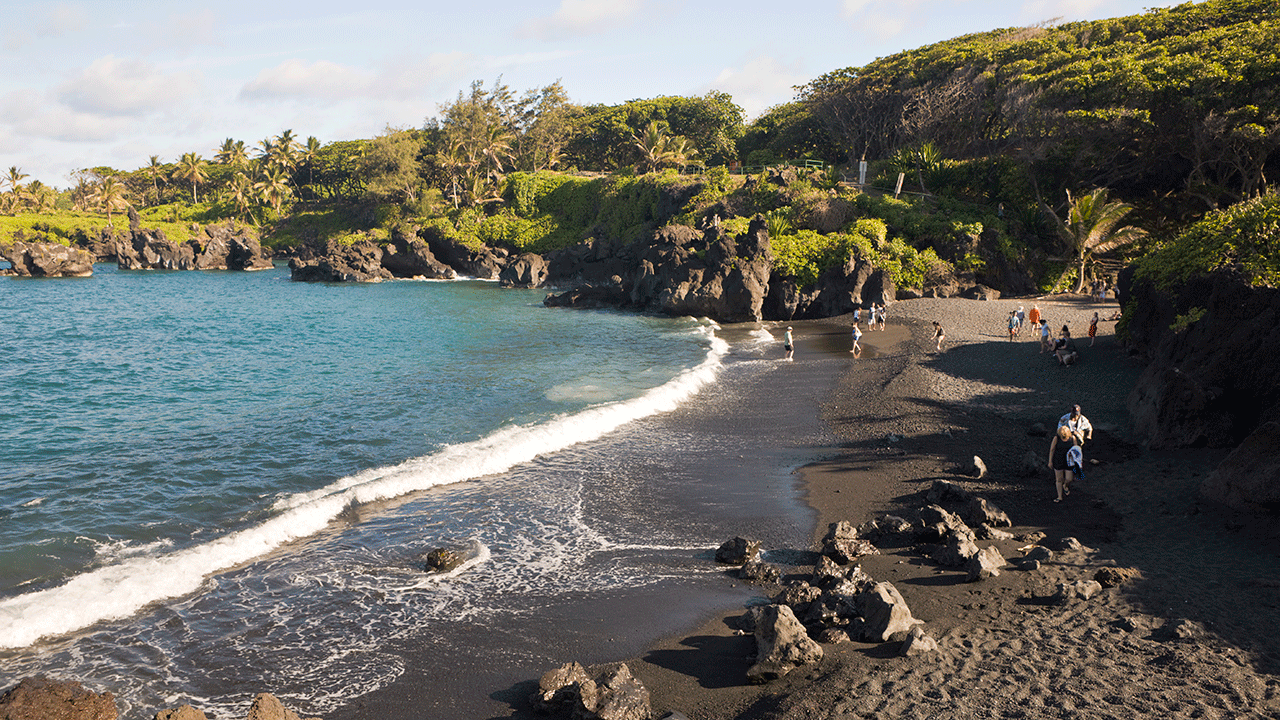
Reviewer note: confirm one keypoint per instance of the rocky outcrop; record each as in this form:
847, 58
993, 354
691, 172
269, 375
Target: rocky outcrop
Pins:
223, 246
412, 258
484, 263
1249, 478
150, 249
1214, 374
527, 270
39, 698
335, 262
228, 246
675, 271
46, 260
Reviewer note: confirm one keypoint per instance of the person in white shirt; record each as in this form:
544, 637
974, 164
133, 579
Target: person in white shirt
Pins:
1077, 423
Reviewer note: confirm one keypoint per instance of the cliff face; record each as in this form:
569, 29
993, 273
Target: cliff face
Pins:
1214, 351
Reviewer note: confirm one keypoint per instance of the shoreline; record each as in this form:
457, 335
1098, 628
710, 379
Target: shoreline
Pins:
1003, 653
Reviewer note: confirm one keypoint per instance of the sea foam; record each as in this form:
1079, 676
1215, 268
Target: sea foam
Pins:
119, 590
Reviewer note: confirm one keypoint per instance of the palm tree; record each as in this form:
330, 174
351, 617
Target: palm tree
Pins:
191, 167
155, 169
652, 145
273, 188
15, 186
111, 195
308, 156
233, 153
240, 192
1093, 226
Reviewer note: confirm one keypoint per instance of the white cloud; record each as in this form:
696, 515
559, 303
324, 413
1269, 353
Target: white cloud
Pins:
123, 87
578, 18
759, 83
298, 79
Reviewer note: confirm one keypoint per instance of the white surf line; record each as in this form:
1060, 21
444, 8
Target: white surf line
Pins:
120, 590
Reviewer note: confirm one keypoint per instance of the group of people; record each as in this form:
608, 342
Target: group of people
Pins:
1066, 451
875, 316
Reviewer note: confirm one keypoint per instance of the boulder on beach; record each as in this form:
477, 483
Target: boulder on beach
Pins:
957, 548
757, 571
782, 644
1069, 592
985, 564
918, 642
737, 551
443, 560
1249, 478
607, 692
884, 613
843, 544
40, 698
268, 707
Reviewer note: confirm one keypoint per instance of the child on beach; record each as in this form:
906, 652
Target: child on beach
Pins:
1045, 346
1013, 324
787, 345
882, 316
938, 335
857, 335
1093, 329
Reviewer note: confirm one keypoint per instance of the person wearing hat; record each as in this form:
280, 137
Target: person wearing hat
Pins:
788, 344
1077, 423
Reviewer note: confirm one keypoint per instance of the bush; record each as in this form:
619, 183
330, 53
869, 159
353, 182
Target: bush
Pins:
1246, 235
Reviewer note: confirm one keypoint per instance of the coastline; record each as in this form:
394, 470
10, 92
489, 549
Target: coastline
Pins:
1192, 636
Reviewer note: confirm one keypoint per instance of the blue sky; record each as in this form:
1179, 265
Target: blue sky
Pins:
112, 83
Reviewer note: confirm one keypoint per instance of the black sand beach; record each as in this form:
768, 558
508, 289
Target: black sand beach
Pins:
899, 418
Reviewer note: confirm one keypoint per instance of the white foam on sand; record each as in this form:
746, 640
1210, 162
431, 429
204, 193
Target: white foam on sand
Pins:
137, 579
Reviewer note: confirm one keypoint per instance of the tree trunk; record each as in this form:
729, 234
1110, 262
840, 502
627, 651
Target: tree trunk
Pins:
1080, 277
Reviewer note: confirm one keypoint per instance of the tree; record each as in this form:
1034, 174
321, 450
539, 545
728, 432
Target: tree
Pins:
1093, 226
241, 193
273, 189
308, 155
390, 167
111, 195
191, 167
155, 169
233, 153
658, 149
16, 176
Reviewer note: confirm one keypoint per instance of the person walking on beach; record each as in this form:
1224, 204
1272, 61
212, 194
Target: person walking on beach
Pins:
857, 315
1034, 317
1045, 345
1063, 442
881, 316
871, 317
1093, 329
1013, 324
938, 335
788, 345
1022, 319
857, 335
1077, 424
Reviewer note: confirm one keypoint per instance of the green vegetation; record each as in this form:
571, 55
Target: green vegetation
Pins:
1149, 121
1245, 236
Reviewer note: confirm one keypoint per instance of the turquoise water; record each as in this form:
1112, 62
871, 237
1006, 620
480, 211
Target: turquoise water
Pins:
215, 470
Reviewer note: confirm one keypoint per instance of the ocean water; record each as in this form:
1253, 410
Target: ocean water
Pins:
216, 484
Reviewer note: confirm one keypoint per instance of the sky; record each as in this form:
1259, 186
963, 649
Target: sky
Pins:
86, 84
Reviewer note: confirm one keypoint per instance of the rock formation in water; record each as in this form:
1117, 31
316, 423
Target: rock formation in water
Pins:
46, 259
